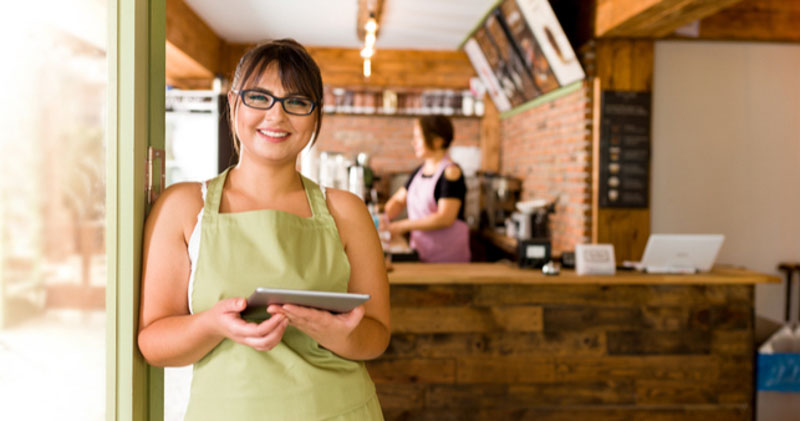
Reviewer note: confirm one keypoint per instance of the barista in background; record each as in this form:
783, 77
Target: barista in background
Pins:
434, 197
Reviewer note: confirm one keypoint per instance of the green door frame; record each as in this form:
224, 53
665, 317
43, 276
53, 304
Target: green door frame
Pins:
136, 60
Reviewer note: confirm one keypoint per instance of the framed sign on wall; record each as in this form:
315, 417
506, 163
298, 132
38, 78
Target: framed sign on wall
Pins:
520, 52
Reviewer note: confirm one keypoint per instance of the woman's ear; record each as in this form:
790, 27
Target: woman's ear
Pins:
231, 99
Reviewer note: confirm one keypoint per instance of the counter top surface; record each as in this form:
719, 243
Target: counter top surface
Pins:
500, 273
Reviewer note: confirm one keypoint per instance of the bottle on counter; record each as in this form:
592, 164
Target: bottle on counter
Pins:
479, 107
356, 181
467, 103
362, 159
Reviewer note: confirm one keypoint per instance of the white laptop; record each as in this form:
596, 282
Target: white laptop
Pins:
680, 253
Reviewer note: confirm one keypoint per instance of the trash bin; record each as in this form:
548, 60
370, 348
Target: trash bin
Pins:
778, 366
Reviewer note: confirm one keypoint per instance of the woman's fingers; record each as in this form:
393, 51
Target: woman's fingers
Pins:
319, 322
269, 341
353, 317
304, 315
262, 336
266, 335
243, 328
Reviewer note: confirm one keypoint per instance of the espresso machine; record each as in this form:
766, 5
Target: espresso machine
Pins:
499, 194
532, 224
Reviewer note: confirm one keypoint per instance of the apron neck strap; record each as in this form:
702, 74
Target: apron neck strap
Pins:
443, 164
316, 200
214, 197
313, 194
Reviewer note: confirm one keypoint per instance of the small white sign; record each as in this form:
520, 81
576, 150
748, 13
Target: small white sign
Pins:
595, 259
535, 251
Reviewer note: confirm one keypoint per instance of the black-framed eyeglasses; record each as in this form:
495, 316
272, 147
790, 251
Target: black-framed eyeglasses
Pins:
262, 100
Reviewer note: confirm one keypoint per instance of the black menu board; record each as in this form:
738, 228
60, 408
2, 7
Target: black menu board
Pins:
625, 150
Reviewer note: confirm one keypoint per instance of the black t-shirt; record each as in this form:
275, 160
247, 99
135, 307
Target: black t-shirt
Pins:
455, 189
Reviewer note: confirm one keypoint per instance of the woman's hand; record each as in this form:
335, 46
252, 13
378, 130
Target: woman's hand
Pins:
321, 325
383, 222
399, 227
226, 321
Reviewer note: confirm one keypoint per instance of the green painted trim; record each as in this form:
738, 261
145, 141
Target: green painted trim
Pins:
550, 96
157, 82
478, 25
131, 101
112, 153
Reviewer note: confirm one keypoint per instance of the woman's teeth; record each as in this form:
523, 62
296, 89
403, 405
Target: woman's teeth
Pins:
273, 134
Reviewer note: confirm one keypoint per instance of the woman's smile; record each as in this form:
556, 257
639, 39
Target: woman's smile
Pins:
274, 135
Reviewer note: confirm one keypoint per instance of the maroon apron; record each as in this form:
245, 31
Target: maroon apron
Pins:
446, 245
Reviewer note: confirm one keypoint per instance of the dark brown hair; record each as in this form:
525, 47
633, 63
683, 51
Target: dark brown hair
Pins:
297, 71
434, 126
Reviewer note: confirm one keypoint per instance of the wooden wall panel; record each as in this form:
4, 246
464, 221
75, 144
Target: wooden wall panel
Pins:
626, 229
467, 319
603, 352
592, 295
390, 68
443, 345
569, 414
625, 65
396, 68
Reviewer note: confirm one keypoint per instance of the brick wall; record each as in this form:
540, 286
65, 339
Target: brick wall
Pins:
386, 138
549, 148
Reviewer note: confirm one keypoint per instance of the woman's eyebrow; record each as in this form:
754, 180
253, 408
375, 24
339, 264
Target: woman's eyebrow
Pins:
256, 88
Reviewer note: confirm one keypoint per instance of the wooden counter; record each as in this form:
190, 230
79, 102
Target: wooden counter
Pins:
493, 342
494, 273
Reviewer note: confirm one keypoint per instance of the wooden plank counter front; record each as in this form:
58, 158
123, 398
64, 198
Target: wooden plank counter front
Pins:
493, 342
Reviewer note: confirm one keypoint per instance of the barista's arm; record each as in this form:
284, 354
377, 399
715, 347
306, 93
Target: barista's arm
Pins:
447, 209
446, 214
396, 203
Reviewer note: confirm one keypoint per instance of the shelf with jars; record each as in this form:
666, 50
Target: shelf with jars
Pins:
401, 102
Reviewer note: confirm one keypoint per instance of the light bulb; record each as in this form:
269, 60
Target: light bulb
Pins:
367, 68
371, 25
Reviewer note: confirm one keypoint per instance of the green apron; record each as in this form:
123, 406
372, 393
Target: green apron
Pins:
298, 379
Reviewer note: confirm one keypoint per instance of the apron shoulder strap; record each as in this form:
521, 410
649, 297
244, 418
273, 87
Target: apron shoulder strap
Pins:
446, 161
316, 198
214, 195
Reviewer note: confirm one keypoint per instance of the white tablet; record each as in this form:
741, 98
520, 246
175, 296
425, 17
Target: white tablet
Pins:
335, 302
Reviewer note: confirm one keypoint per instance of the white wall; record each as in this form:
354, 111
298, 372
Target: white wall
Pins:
726, 152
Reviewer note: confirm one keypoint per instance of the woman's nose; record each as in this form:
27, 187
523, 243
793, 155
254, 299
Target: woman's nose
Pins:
276, 111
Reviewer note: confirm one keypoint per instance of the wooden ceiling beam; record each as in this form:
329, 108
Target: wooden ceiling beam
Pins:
422, 69
193, 49
180, 68
651, 18
365, 7
755, 20
395, 68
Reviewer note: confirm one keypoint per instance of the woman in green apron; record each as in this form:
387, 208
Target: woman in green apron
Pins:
262, 224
